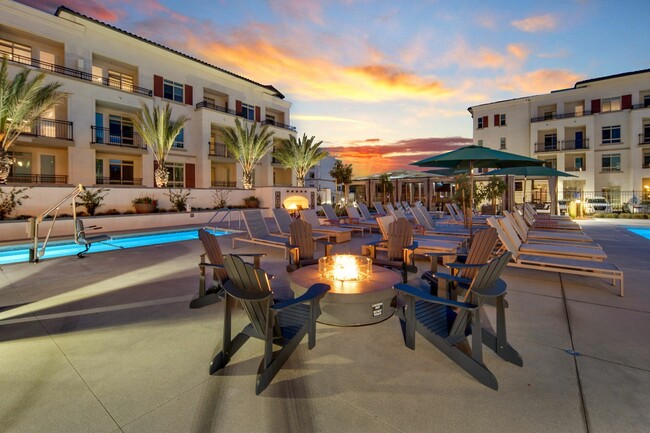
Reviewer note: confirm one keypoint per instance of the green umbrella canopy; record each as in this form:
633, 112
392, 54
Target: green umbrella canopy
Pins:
530, 170
477, 157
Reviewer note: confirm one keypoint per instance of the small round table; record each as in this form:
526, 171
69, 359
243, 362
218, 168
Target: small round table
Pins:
351, 303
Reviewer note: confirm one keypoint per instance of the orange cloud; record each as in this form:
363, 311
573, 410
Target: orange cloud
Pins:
536, 24
518, 50
540, 81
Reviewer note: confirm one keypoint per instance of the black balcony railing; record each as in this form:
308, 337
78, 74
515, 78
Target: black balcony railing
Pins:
575, 168
224, 183
644, 139
123, 138
575, 144
643, 105
109, 181
278, 124
211, 106
37, 178
559, 116
109, 82
51, 128
219, 149
546, 147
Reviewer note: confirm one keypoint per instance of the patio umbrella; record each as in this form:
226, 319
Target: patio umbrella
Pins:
533, 170
470, 157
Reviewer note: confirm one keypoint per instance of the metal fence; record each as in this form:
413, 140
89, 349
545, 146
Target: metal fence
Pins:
620, 201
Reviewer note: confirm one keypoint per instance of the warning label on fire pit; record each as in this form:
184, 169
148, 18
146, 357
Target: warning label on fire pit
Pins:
377, 309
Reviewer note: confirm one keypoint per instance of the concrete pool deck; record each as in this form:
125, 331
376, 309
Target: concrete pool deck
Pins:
108, 344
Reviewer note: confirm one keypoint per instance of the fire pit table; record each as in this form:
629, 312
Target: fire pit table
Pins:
353, 299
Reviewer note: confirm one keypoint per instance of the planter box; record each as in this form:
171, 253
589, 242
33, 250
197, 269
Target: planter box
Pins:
144, 207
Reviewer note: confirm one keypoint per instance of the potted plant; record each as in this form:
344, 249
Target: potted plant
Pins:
145, 204
252, 201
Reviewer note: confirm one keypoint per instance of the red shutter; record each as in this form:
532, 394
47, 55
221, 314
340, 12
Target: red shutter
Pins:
155, 167
238, 108
190, 179
257, 114
188, 95
157, 86
626, 102
595, 106
496, 120
485, 121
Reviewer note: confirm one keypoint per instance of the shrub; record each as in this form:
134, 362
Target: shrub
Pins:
91, 199
179, 199
145, 199
220, 198
10, 200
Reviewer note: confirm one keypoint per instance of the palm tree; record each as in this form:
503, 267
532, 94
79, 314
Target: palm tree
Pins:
386, 185
300, 155
247, 147
342, 174
22, 102
159, 132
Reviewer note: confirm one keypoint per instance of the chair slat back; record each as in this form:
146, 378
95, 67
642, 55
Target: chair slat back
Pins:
400, 236
255, 224
479, 252
282, 219
515, 226
389, 209
302, 237
503, 237
330, 213
384, 222
353, 212
213, 252
510, 232
310, 216
365, 212
420, 214
452, 212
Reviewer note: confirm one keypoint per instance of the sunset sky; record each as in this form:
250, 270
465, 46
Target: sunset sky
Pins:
385, 83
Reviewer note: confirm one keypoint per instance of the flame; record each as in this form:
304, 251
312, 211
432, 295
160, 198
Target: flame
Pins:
345, 267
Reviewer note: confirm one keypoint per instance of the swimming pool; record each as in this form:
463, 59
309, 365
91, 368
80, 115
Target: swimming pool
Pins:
641, 231
20, 253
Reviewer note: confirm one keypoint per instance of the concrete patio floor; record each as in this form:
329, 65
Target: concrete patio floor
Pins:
108, 344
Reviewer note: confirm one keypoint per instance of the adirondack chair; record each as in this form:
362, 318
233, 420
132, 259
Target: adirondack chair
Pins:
283, 324
478, 254
399, 247
86, 241
447, 323
302, 246
212, 252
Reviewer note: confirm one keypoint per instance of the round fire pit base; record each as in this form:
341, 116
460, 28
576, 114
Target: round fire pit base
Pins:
351, 303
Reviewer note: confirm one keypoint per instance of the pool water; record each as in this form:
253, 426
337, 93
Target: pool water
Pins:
641, 231
20, 253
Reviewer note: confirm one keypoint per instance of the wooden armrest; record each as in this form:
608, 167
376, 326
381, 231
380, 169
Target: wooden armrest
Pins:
210, 265
317, 290
456, 265
418, 294
412, 247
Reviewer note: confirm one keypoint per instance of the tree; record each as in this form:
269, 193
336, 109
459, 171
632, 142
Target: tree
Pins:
300, 155
22, 102
386, 185
342, 174
494, 189
159, 132
247, 147
462, 195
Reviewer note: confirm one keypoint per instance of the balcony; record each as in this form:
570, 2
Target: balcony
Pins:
546, 147
559, 116
37, 178
278, 124
224, 183
575, 144
219, 149
74, 73
51, 128
211, 106
120, 138
644, 139
137, 181
569, 168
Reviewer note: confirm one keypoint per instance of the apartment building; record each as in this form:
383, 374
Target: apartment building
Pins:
108, 74
598, 130
319, 177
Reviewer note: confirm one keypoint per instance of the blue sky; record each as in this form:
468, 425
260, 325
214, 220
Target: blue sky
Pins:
383, 83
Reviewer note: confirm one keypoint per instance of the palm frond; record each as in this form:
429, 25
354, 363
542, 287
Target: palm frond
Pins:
158, 129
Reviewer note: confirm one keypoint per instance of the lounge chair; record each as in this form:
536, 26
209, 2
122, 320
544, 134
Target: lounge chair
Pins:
431, 228
365, 212
355, 217
528, 235
552, 250
379, 208
258, 232
283, 220
560, 264
212, 252
531, 209
334, 220
446, 323
549, 224
339, 234
399, 248
283, 324
86, 241
424, 245
302, 246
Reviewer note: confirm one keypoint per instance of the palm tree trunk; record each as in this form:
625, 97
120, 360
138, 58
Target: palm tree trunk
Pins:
247, 180
5, 167
161, 176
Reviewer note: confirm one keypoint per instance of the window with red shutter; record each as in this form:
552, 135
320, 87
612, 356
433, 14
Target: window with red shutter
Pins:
158, 86
190, 178
238, 108
496, 120
595, 106
626, 102
485, 121
188, 95
257, 114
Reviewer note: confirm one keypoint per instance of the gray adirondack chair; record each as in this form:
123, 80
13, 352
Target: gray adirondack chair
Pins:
446, 323
302, 245
212, 258
399, 247
284, 324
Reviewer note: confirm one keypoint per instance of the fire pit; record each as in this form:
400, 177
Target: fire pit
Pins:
360, 293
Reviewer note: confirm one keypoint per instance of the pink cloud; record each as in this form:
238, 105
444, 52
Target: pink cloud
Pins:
93, 8
536, 24
540, 81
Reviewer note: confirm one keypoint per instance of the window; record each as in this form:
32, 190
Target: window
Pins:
98, 74
172, 90
645, 138
120, 80
502, 120
502, 142
480, 123
120, 172
610, 104
176, 174
270, 119
480, 143
99, 170
22, 164
646, 160
551, 163
120, 130
248, 111
579, 163
646, 101
16, 52
612, 162
611, 134
179, 141
550, 141
548, 114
